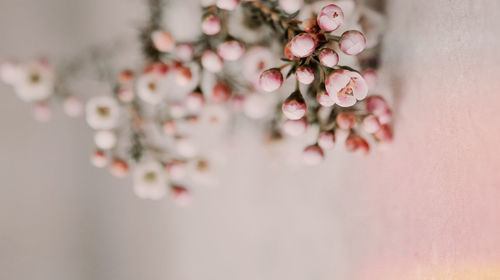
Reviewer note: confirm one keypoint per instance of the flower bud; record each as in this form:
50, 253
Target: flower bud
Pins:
211, 24
330, 18
384, 134
119, 168
302, 45
324, 99
162, 41
176, 110
328, 58
99, 159
176, 170
271, 80
73, 106
183, 76
288, 53
211, 61
294, 127
357, 144
194, 101
371, 124
221, 93
313, 155
326, 140
227, 4
125, 95
346, 120
126, 76
294, 106
231, 50
184, 51
291, 6
376, 105
352, 42
42, 111
305, 75
181, 196
105, 139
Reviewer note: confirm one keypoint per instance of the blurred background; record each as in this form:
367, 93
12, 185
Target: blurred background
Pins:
425, 208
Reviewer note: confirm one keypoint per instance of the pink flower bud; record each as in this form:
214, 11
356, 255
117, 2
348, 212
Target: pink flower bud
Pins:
294, 106
385, 117
125, 95
73, 106
294, 127
271, 80
42, 111
231, 50
324, 99
176, 169
305, 75
99, 159
370, 77
183, 76
126, 76
326, 140
211, 61
162, 41
328, 57
170, 128
119, 168
227, 4
181, 196
105, 139
288, 53
330, 18
376, 104
211, 25
157, 68
371, 124
184, 51
352, 42
194, 101
291, 6
302, 45
221, 93
176, 110
346, 87
357, 144
10, 72
384, 134
313, 155
346, 120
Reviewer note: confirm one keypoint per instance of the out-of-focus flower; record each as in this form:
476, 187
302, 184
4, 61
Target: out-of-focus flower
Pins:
186, 147
10, 72
384, 134
221, 92
150, 180
256, 105
352, 42
105, 139
346, 120
183, 76
42, 111
99, 158
102, 112
227, 4
231, 50
291, 6
370, 77
312, 155
346, 87
211, 24
371, 124
194, 101
119, 168
294, 127
254, 62
152, 88
163, 41
125, 95
73, 106
326, 140
211, 61
35, 81
184, 51
176, 170
181, 196
355, 143
330, 18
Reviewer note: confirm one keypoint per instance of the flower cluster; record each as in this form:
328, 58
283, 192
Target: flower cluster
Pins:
155, 122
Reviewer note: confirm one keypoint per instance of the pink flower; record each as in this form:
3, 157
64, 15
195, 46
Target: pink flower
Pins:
294, 127
181, 195
384, 134
73, 106
352, 42
211, 25
302, 45
346, 120
176, 169
42, 111
227, 4
346, 87
99, 159
211, 61
370, 77
324, 99
378, 106
312, 155
357, 144
162, 41
328, 57
326, 140
305, 75
119, 168
291, 6
271, 80
294, 106
230, 50
194, 101
330, 18
184, 51
221, 93
371, 124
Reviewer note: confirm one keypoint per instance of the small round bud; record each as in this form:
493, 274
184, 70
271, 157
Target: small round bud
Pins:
328, 58
162, 41
271, 80
126, 76
73, 106
313, 155
119, 168
385, 117
330, 18
184, 51
357, 144
324, 99
183, 76
231, 50
176, 110
294, 106
181, 196
211, 24
176, 169
291, 6
376, 105
227, 4
42, 111
346, 120
125, 95
305, 75
221, 93
211, 61
302, 45
105, 139
352, 42
384, 134
294, 127
288, 53
326, 140
371, 124
99, 159
194, 101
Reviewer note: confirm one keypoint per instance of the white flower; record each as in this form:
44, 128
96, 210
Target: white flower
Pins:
102, 112
152, 88
105, 139
150, 180
35, 82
